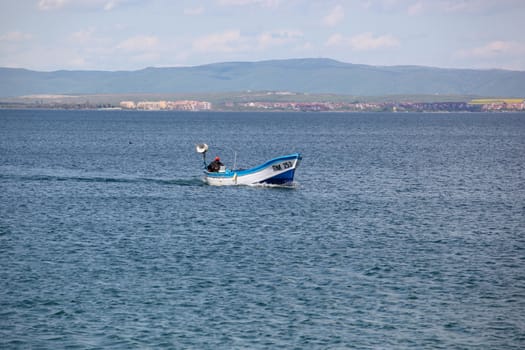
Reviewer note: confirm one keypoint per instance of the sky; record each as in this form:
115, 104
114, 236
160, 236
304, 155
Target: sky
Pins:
50, 35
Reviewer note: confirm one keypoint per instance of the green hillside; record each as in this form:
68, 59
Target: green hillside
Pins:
298, 75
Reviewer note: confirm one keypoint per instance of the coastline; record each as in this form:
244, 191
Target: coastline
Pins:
267, 101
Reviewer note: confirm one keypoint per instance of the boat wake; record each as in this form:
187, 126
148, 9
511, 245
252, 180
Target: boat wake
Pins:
289, 186
195, 181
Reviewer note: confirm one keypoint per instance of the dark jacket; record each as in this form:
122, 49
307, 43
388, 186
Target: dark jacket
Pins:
215, 166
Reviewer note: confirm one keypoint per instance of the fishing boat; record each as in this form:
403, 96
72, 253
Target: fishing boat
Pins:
276, 171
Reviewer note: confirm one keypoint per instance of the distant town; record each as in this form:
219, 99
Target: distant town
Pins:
472, 106
270, 101
184, 105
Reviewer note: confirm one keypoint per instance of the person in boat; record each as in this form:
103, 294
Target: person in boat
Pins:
215, 166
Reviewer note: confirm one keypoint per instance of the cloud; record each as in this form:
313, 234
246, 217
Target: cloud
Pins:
53, 5
421, 7
264, 3
47, 5
334, 17
416, 8
110, 5
277, 38
226, 41
494, 48
146, 57
90, 43
336, 40
502, 54
15, 36
139, 43
467, 6
78, 62
364, 41
232, 41
82, 36
194, 11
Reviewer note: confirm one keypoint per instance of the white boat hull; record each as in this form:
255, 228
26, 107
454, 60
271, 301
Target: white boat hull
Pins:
278, 171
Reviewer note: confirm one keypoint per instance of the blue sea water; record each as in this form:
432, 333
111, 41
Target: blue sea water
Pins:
403, 231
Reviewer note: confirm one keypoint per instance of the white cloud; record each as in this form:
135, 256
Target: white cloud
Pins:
139, 43
79, 62
82, 36
89, 43
334, 17
46, 5
194, 11
416, 8
51, 5
110, 5
336, 40
226, 41
421, 7
145, 58
265, 3
277, 38
306, 46
502, 54
364, 41
464, 6
494, 48
447, 6
232, 41
367, 41
15, 36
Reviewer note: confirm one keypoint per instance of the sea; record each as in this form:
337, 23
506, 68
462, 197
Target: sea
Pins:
401, 231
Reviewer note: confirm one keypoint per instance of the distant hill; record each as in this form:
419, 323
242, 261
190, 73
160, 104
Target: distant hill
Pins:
298, 75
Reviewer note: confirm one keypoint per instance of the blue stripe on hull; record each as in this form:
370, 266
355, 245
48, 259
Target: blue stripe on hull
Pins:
230, 173
281, 179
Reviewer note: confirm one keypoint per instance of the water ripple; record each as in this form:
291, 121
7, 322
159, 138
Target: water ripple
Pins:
410, 236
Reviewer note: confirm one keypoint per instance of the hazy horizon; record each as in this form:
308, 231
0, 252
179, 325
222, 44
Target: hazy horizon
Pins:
256, 61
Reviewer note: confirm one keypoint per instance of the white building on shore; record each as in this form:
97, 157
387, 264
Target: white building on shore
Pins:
184, 105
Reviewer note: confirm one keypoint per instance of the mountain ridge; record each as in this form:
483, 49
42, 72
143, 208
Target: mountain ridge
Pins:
305, 75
